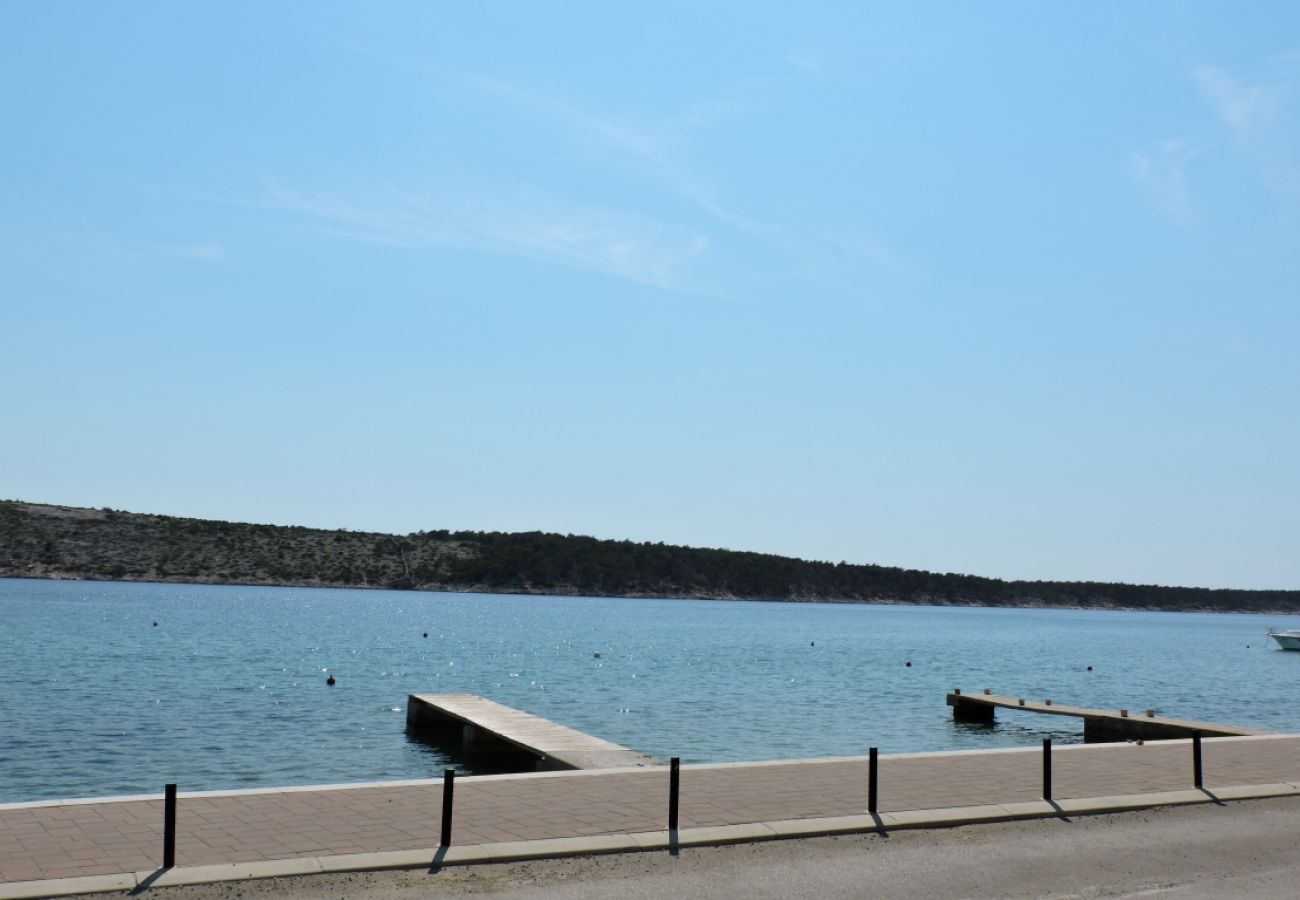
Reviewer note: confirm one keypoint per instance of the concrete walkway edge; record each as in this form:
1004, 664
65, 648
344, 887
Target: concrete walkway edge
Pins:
514, 851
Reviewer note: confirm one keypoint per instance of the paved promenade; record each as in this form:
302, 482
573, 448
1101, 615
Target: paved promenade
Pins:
72, 839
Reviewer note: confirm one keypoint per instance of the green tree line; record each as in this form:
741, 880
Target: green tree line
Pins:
42, 541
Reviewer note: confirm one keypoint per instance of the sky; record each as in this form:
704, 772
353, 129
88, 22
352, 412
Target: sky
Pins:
1003, 289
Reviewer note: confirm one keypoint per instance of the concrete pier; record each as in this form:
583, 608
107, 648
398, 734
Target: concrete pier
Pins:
512, 738
1099, 725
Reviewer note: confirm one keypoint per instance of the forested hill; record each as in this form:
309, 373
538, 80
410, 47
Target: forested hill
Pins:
40, 541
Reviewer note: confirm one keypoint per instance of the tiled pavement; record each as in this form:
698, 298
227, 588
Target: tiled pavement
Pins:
79, 838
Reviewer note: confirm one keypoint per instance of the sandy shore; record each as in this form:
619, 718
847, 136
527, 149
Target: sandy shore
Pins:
1243, 849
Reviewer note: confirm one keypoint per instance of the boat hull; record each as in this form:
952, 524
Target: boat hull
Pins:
1288, 641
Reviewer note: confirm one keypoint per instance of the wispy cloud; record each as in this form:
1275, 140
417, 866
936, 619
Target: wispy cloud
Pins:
209, 252
801, 58
1162, 176
542, 228
87, 255
654, 149
686, 238
1262, 114
1247, 108
98, 239
829, 258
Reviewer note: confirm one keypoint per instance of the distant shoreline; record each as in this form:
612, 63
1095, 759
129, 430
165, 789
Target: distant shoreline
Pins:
43, 541
578, 594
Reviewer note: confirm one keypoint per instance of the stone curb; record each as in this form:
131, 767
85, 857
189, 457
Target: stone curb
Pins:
549, 848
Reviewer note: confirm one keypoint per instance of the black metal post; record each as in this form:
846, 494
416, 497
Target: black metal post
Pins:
1047, 769
1196, 760
448, 788
872, 771
169, 826
674, 785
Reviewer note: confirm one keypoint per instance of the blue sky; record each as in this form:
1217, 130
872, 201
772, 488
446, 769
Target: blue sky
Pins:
1008, 289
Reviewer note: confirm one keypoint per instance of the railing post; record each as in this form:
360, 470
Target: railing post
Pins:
169, 826
872, 773
448, 789
1047, 769
1196, 760
674, 785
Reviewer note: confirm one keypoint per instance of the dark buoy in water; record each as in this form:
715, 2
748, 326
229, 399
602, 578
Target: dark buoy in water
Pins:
330, 681
155, 623
908, 664
426, 634
595, 655
812, 643
1089, 668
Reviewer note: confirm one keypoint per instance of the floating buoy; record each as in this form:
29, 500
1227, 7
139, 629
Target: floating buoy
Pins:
155, 623
330, 681
1089, 668
812, 643
595, 655
426, 634
908, 664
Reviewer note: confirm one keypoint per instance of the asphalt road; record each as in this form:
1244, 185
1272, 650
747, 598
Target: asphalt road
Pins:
1247, 849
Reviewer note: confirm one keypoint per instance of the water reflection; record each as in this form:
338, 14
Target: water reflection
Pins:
447, 751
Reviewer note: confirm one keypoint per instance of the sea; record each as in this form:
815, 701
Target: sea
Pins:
110, 688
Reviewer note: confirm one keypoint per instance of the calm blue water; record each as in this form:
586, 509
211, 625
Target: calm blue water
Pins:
228, 691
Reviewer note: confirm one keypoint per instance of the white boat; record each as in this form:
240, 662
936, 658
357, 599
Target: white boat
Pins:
1287, 640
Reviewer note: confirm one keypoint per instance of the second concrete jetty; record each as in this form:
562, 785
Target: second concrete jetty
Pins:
1099, 725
